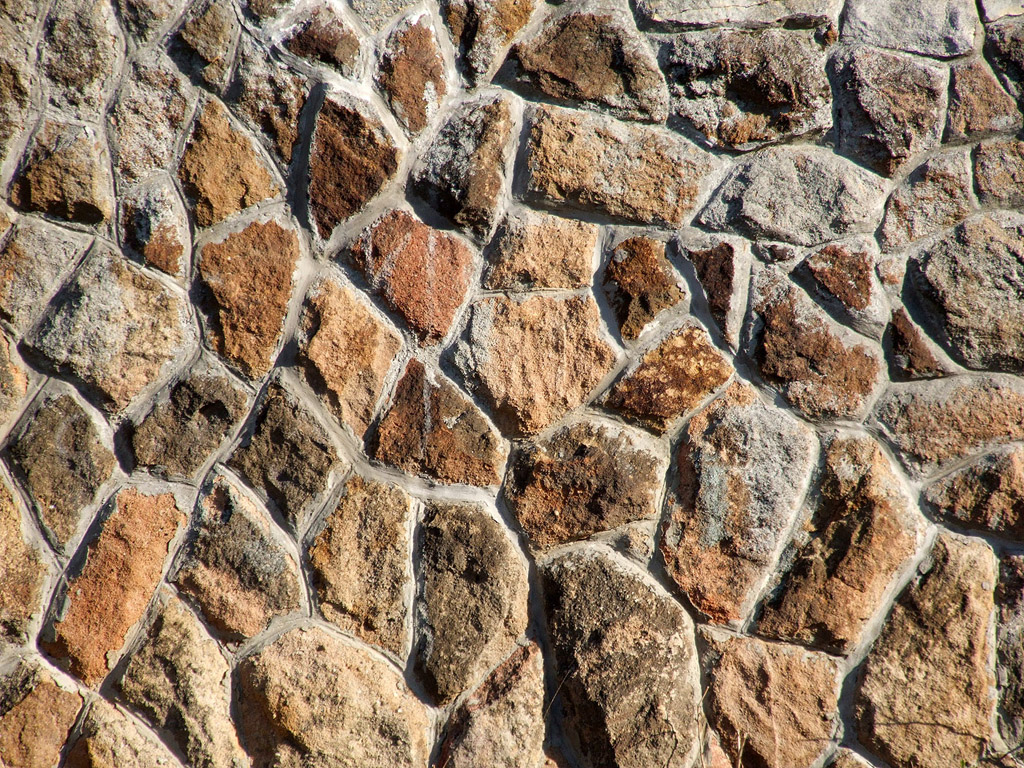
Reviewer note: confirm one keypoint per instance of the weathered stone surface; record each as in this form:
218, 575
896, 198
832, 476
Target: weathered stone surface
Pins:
289, 456
501, 724
986, 495
205, 44
145, 19
847, 758
221, 170
935, 196
533, 360
16, 81
63, 462
462, 173
234, 565
993, 10
636, 173
154, 226
361, 563
431, 428
746, 88
352, 158
640, 284
978, 105
35, 718
534, 250
115, 328
715, 13
110, 594
346, 352
178, 680
626, 663
773, 705
109, 739
819, 367
421, 272
862, 534
723, 270
66, 174
999, 172
327, 38
1009, 599
246, 324
911, 356
13, 382
376, 13
1003, 49
24, 571
596, 58
944, 29
483, 29
743, 470
471, 603
827, 197
671, 379
843, 277
412, 72
310, 699
270, 98
926, 691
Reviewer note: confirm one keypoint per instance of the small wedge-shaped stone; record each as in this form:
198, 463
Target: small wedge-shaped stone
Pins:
843, 276
723, 270
743, 469
640, 283
376, 13
205, 44
154, 226
36, 717
483, 29
978, 105
626, 663
412, 72
926, 692
754, 13
533, 250
310, 699
986, 495
935, 196
912, 357
1003, 48
323, 36
110, 739
144, 19
23, 569
944, 29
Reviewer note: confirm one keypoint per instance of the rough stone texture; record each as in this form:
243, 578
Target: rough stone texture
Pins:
361, 563
943, 29
843, 276
746, 88
412, 72
483, 29
986, 495
234, 566
935, 196
144, 19
326, 38
270, 99
626, 662
535, 359
533, 250
671, 379
999, 172
246, 324
431, 428
421, 272
471, 602
16, 81
993, 10
640, 283
346, 352
723, 270
154, 227
911, 356
110, 739
585, 478
21, 588
1009, 599
376, 13
110, 594
1002, 47
926, 691
13, 382
177, 679
743, 469
36, 717
205, 44
978, 105
714, 13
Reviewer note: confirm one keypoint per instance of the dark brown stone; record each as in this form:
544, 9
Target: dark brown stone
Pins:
483, 29
723, 270
911, 357
154, 227
206, 41
326, 38
412, 72
640, 283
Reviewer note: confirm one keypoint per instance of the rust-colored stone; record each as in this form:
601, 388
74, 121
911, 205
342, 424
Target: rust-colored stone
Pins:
36, 717
23, 569
986, 495
911, 357
412, 72
640, 284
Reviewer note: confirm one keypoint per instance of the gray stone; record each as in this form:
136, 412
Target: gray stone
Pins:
941, 29
935, 196
483, 29
1009, 600
145, 19
154, 226
754, 13
376, 13
999, 172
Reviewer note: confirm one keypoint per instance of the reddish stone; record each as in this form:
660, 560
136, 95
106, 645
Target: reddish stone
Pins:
640, 283
36, 717
978, 105
412, 72
911, 356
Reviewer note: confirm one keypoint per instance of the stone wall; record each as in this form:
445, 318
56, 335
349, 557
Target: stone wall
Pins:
627, 383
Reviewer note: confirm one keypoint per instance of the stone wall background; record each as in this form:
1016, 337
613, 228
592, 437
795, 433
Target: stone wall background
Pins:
511, 383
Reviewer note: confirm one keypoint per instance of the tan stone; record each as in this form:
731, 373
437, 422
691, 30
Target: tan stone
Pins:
412, 72
534, 250
640, 283
986, 495
35, 718
13, 382
110, 739
24, 572
978, 105
999, 172
205, 44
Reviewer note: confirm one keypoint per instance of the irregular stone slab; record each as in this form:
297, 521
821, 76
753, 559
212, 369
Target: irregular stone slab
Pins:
1009, 599
326, 38
827, 197
24, 572
270, 98
912, 358
116, 329
109, 738
535, 359
13, 382
154, 226
62, 461
1002, 49
234, 565
723, 270
17, 58
999, 172
585, 478
205, 45
246, 324
778, 701
462, 173
221, 170
743, 89
36, 717
65, 174
501, 724
177, 680
145, 19
109, 595
596, 58
352, 158
625, 657
640, 284
412, 72
671, 379
431, 428
978, 105
313, 700
986, 495
376, 13
421, 272
942, 30
743, 470
636, 173
861, 536
482, 31
471, 602
935, 196
754, 13
889, 107
533, 250
843, 277
345, 352
361, 563
925, 696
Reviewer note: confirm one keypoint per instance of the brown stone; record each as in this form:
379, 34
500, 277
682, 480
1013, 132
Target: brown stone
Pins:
585, 478
978, 105
270, 98
431, 428
234, 566
221, 170
412, 72
635, 173
723, 270
640, 284
326, 38
999, 172
154, 227
535, 359
36, 717
361, 563
145, 19
13, 382
483, 29
352, 158
422, 273
986, 495
24, 571
17, 57
1009, 599
911, 356
670, 379
110, 739
205, 44
109, 595
925, 696
935, 196
533, 250
843, 278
